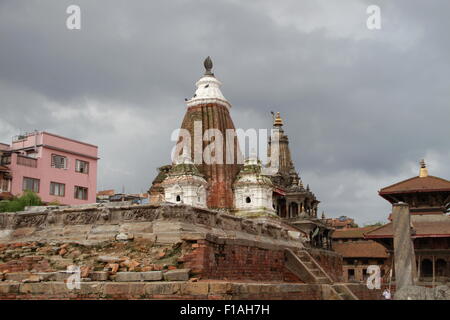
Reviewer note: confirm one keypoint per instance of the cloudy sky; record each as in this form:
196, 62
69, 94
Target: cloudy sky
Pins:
361, 106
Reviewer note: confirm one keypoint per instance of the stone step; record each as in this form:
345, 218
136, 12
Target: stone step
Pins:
344, 292
138, 276
17, 276
343, 296
177, 275
305, 259
322, 280
316, 272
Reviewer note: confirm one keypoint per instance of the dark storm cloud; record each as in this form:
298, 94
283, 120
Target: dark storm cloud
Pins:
361, 107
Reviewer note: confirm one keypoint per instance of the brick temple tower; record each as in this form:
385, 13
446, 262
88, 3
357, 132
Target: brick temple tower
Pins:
206, 118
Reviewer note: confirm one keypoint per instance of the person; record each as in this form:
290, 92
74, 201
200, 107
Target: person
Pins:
387, 294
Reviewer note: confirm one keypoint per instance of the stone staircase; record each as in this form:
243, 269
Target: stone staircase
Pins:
304, 266
343, 292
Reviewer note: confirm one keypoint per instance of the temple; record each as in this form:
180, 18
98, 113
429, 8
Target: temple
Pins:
294, 203
209, 110
271, 192
428, 198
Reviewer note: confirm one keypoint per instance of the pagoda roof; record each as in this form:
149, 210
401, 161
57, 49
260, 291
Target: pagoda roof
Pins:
426, 226
418, 184
350, 233
361, 249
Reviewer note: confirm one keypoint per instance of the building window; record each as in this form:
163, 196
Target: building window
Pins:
441, 268
30, 184
365, 274
5, 185
82, 166
57, 189
81, 193
248, 200
426, 269
5, 160
351, 274
178, 198
59, 162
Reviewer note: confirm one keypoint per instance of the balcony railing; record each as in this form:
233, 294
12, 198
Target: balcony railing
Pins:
26, 161
5, 160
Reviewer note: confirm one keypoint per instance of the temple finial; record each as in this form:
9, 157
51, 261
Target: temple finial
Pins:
422, 163
423, 169
208, 66
278, 122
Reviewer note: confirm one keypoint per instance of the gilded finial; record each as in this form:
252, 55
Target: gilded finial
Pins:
208, 66
278, 122
423, 169
422, 163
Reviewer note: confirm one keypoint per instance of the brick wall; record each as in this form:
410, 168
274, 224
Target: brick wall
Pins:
237, 261
331, 262
363, 293
220, 177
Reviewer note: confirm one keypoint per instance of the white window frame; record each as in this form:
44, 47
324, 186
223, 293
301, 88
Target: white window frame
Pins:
78, 166
56, 166
77, 189
56, 188
36, 183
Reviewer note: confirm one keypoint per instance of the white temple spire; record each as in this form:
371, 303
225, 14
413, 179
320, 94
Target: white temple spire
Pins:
208, 89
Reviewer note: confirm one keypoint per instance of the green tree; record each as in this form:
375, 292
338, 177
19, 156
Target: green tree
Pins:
28, 199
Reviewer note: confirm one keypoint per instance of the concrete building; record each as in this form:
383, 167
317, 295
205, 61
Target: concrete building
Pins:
108, 196
5, 174
343, 222
58, 169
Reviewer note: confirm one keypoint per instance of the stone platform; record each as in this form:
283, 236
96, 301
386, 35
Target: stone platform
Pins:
131, 252
223, 290
160, 223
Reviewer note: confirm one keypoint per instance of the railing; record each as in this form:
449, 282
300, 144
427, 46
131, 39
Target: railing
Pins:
26, 161
5, 160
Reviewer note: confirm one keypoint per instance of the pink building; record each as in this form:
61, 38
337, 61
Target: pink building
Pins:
58, 169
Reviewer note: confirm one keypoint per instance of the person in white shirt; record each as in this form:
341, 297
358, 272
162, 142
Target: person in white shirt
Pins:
387, 294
